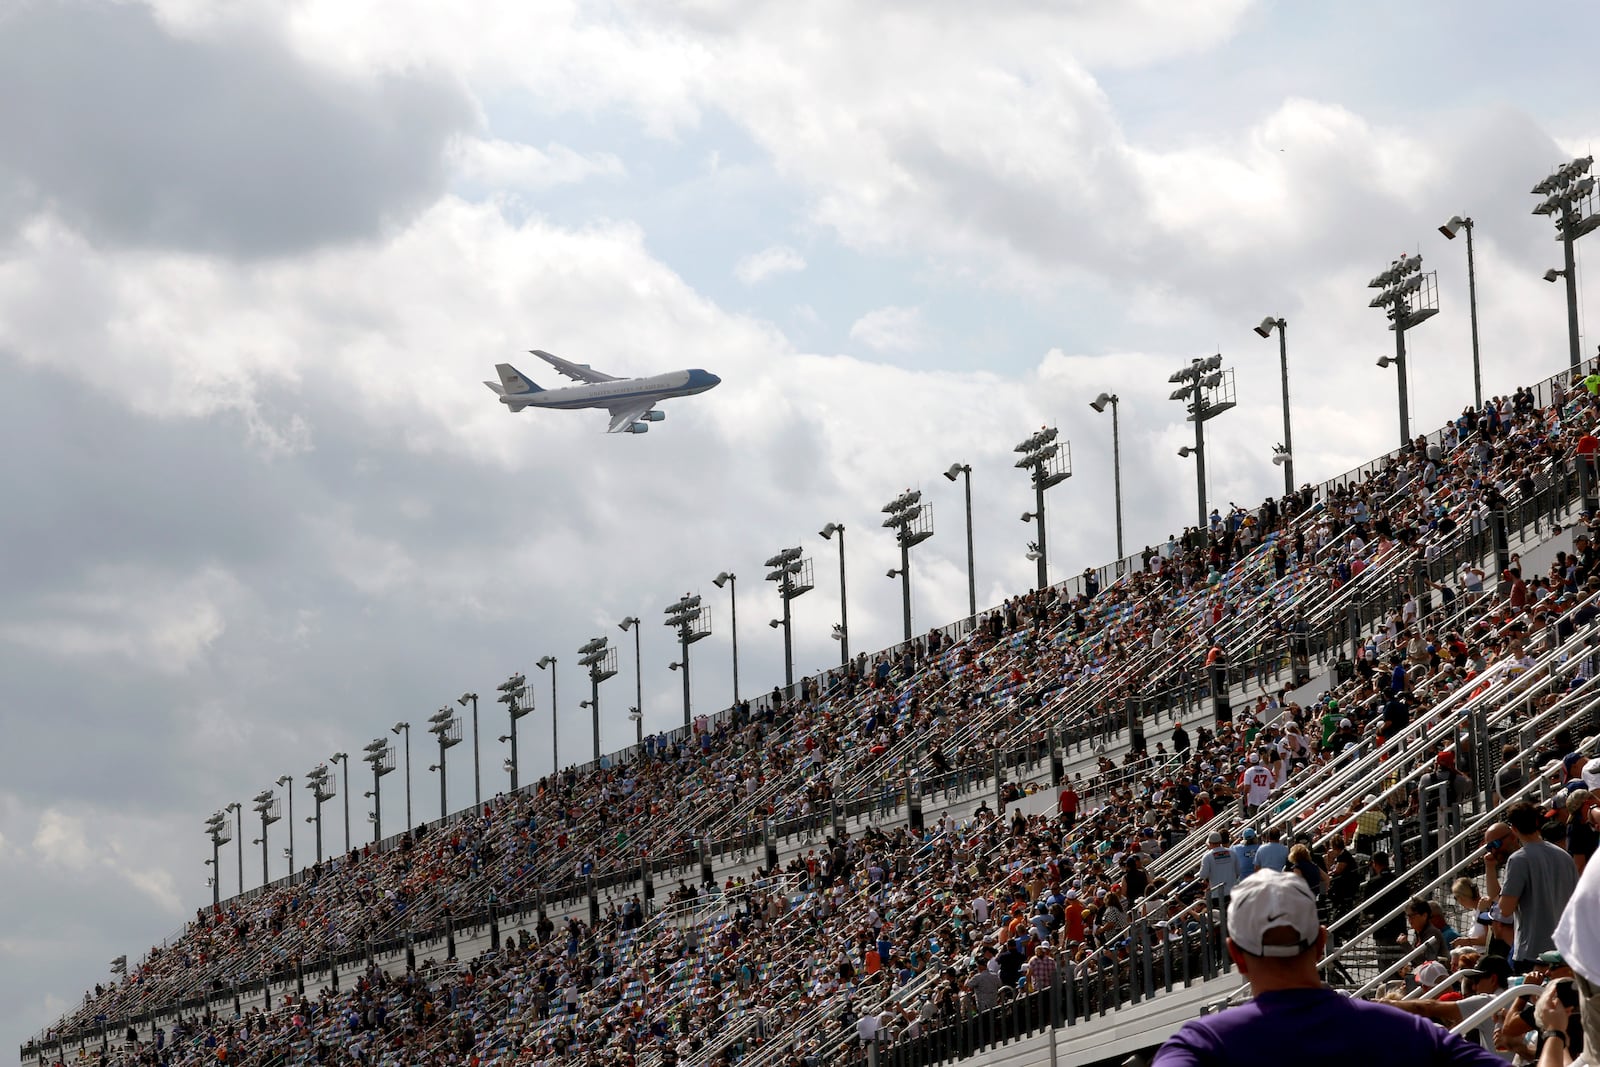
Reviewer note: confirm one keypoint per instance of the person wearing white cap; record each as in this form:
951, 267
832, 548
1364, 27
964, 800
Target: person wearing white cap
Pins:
1275, 940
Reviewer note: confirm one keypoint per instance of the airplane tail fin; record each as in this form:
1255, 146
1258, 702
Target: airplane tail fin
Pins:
512, 381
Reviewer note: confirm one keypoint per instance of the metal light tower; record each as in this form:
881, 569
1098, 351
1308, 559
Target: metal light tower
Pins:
1286, 449
220, 832
1409, 298
731, 580
518, 699
477, 774
238, 837
1048, 463
912, 523
555, 719
444, 725
287, 781
1100, 403
793, 575
636, 713
344, 759
379, 755
1207, 391
601, 659
266, 806
397, 729
1569, 196
841, 629
1456, 224
693, 623
958, 470
324, 787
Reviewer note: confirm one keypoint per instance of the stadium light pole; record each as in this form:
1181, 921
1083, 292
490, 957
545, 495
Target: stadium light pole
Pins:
793, 577
406, 728
555, 720
693, 623
1286, 449
379, 755
518, 700
323, 786
1100, 403
841, 631
1048, 463
601, 660
1568, 197
220, 833
1206, 392
958, 470
1456, 224
266, 806
1409, 297
287, 781
238, 837
636, 713
343, 758
444, 725
477, 774
912, 523
731, 581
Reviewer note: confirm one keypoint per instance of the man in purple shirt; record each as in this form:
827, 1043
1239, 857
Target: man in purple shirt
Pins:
1276, 941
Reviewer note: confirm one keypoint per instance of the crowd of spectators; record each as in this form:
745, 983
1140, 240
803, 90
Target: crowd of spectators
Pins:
894, 931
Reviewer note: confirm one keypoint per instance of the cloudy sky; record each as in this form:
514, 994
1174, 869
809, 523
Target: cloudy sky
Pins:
255, 259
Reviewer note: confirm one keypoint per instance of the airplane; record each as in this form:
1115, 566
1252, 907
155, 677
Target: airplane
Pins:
631, 401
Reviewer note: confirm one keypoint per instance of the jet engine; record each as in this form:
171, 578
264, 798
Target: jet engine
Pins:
654, 416
639, 427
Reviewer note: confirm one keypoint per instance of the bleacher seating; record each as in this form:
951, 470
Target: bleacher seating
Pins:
835, 849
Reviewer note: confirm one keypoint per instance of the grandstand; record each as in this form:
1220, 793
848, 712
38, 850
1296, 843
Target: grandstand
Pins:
822, 876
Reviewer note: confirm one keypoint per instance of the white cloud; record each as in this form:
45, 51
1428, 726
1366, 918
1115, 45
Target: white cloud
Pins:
148, 620
60, 839
891, 329
767, 263
510, 167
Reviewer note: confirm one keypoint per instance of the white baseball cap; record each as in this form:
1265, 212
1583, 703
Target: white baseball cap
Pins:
1431, 974
1266, 901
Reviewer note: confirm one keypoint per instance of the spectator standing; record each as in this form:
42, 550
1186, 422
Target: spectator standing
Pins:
1245, 852
1068, 804
1538, 881
1219, 871
1042, 968
1276, 941
1273, 855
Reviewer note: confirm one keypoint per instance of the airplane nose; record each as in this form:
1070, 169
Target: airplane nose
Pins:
702, 380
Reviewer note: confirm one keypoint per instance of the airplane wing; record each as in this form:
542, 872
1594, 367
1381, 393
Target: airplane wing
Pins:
578, 372
624, 416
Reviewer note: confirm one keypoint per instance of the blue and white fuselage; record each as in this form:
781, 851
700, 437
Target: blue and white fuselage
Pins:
631, 401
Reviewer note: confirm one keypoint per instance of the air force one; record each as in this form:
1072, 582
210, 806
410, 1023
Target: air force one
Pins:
631, 401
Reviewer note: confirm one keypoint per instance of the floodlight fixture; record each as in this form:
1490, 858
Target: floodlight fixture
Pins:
1048, 463
692, 623
1213, 393
912, 523
1569, 199
826, 533
1411, 297
1552, 274
793, 575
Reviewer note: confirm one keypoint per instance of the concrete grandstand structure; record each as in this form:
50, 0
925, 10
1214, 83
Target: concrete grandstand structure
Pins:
754, 887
